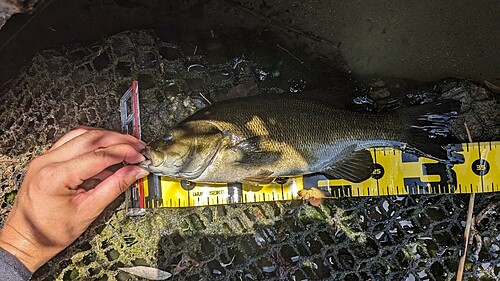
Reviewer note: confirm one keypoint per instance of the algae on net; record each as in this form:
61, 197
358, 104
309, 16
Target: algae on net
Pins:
393, 238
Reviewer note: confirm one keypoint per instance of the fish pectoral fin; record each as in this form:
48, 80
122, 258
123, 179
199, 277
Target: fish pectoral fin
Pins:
263, 177
252, 152
357, 167
251, 144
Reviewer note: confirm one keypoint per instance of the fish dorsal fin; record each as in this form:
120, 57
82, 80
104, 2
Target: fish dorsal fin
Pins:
333, 97
356, 167
263, 177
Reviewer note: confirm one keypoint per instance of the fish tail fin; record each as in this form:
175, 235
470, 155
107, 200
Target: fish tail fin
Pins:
428, 127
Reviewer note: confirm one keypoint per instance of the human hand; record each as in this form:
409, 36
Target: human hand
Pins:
51, 208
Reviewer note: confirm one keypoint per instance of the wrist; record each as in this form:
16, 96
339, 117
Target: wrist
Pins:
26, 250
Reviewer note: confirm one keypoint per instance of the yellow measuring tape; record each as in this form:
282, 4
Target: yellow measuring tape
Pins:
395, 173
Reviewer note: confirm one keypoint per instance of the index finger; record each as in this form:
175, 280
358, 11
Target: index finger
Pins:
71, 135
87, 165
90, 141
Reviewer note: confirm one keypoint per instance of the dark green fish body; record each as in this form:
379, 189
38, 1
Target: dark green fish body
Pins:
256, 139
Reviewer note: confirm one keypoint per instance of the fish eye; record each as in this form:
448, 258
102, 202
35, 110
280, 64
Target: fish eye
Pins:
167, 137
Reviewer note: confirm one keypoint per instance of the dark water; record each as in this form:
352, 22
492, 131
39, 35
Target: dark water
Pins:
425, 41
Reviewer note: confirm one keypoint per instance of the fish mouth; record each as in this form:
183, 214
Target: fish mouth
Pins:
145, 164
153, 162
148, 163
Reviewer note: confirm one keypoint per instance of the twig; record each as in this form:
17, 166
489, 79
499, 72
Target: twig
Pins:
195, 48
194, 65
9, 161
468, 132
494, 88
468, 225
227, 264
207, 100
283, 25
293, 56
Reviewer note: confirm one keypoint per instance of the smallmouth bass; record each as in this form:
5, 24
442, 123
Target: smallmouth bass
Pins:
256, 139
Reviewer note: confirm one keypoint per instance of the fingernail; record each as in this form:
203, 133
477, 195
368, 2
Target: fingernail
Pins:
143, 158
140, 145
141, 173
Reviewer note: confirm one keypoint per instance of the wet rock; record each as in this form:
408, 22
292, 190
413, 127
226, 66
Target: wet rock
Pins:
380, 94
245, 89
377, 83
196, 84
479, 109
10, 7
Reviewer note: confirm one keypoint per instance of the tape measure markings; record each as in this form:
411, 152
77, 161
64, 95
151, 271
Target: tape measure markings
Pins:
480, 173
398, 174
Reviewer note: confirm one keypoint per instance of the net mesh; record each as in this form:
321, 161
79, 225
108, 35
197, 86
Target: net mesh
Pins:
389, 238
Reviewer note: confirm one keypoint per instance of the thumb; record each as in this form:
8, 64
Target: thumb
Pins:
109, 189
